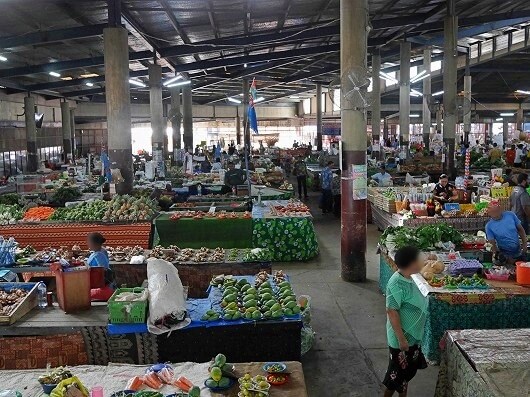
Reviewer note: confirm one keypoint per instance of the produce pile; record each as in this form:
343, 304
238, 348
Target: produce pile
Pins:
211, 215
425, 238
242, 301
293, 208
120, 253
128, 208
37, 214
249, 255
9, 199
199, 255
10, 214
55, 376
86, 211
256, 386
64, 195
10, 299
220, 371
450, 282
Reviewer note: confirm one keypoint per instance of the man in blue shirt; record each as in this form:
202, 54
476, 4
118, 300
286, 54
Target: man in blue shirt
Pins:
503, 231
326, 178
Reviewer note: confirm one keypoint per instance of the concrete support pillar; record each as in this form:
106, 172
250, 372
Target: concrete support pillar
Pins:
155, 104
187, 117
519, 119
439, 120
505, 131
32, 158
245, 111
449, 85
353, 52
385, 129
404, 94
66, 127
72, 130
376, 103
319, 117
118, 101
426, 114
176, 119
467, 117
238, 129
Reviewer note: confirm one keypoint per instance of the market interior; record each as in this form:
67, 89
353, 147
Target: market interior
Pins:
264, 198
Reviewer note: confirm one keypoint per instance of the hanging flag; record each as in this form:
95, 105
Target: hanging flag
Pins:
252, 119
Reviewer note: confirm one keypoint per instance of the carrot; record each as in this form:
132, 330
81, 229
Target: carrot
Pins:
38, 213
134, 383
181, 386
186, 381
152, 380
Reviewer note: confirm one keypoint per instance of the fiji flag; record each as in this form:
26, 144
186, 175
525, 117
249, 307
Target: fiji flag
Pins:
252, 119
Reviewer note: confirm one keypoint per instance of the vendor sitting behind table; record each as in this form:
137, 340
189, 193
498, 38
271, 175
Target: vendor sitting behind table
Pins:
100, 258
444, 192
506, 234
234, 176
217, 165
383, 178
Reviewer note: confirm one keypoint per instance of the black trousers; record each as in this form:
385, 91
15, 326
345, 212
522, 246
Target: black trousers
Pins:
302, 183
326, 200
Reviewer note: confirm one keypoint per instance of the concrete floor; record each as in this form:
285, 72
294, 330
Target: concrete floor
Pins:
349, 356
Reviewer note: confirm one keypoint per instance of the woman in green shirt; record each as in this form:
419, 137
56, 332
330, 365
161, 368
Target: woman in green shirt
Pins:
406, 309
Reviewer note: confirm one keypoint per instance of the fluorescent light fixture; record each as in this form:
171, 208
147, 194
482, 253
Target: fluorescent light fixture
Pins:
416, 78
506, 114
294, 97
54, 74
1, 86
135, 98
414, 115
185, 82
437, 93
3, 58
418, 75
171, 80
245, 65
88, 75
137, 83
498, 119
234, 100
415, 93
388, 78
259, 99
523, 92
89, 84
66, 78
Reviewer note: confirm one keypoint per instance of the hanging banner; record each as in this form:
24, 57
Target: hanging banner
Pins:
332, 129
359, 181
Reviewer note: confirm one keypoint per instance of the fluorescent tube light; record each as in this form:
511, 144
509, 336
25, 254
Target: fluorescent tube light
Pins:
437, 93
137, 83
506, 114
234, 100
54, 74
89, 84
171, 80
3, 58
523, 92
185, 82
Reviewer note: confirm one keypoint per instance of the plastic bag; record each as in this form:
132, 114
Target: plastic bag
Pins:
304, 301
308, 338
61, 389
167, 306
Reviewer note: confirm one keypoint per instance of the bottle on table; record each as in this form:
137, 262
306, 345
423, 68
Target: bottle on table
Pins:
43, 299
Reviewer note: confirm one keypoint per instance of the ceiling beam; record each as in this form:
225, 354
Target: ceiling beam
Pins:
51, 36
232, 61
66, 65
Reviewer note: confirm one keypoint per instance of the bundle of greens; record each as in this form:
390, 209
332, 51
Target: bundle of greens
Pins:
64, 195
425, 237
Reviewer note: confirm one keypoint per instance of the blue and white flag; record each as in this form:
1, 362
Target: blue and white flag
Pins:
252, 119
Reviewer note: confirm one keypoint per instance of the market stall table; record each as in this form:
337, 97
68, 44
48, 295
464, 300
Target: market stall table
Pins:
485, 363
43, 234
115, 376
206, 232
289, 238
504, 305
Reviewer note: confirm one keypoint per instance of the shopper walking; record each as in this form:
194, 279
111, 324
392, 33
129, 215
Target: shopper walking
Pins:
300, 171
406, 309
326, 178
520, 201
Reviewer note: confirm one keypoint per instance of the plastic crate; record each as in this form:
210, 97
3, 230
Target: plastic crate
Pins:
127, 312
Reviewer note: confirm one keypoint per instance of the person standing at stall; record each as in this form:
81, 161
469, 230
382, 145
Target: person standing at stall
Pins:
300, 171
505, 234
406, 309
382, 178
326, 177
520, 201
